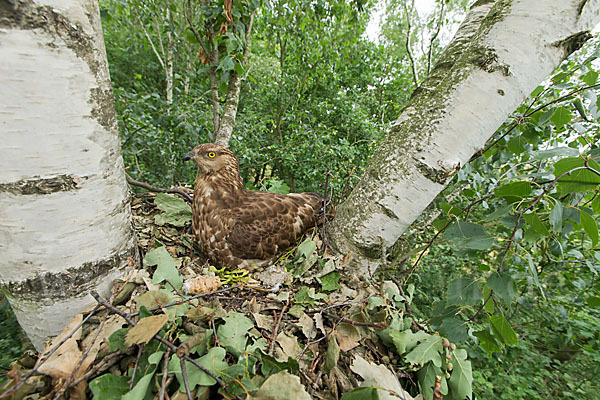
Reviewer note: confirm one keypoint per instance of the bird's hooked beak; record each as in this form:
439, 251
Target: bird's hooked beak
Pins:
190, 155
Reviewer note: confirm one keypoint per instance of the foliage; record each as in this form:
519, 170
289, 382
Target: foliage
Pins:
10, 343
515, 276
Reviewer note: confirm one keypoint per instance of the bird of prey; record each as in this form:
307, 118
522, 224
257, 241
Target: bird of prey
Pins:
236, 227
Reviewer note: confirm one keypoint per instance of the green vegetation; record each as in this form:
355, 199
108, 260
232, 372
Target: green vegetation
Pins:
508, 269
511, 273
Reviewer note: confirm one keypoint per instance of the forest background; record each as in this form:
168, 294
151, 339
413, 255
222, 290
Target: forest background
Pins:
317, 94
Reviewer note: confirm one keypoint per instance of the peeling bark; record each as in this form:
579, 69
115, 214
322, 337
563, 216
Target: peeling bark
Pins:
499, 55
65, 220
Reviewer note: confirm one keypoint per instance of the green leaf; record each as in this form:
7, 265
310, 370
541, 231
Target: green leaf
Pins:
454, 329
503, 285
166, 269
426, 377
589, 226
555, 152
212, 361
226, 64
556, 216
464, 292
278, 186
332, 355
361, 393
513, 192
282, 385
467, 235
516, 145
329, 282
561, 117
306, 248
233, 334
116, 341
593, 301
428, 350
405, 340
109, 387
535, 222
487, 341
461, 380
534, 274
579, 180
502, 329
579, 107
590, 78
176, 211
269, 365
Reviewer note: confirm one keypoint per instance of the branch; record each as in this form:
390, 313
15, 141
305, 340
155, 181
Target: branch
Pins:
408, 50
151, 188
47, 356
435, 35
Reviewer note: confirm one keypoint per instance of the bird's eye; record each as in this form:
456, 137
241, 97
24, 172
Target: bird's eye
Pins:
211, 154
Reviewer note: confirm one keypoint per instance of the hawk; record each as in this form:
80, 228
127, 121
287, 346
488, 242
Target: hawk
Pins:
237, 227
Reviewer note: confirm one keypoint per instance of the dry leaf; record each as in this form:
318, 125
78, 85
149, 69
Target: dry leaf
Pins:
289, 346
145, 329
379, 376
263, 321
347, 336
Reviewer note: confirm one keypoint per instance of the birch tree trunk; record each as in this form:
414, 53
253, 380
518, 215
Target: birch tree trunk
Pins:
232, 99
65, 219
500, 54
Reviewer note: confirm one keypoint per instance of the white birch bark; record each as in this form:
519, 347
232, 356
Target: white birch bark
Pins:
501, 52
65, 220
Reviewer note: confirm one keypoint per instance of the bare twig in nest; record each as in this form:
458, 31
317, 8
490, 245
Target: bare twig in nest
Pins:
83, 357
185, 379
178, 302
47, 356
164, 341
151, 188
135, 366
102, 366
275, 329
164, 383
377, 325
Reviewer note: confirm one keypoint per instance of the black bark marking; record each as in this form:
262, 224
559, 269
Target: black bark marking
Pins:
61, 183
74, 282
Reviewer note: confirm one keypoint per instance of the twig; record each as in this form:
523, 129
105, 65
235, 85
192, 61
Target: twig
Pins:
47, 356
378, 325
164, 341
434, 36
450, 221
82, 358
164, 383
135, 366
151, 188
275, 329
533, 204
520, 119
178, 302
185, 378
102, 366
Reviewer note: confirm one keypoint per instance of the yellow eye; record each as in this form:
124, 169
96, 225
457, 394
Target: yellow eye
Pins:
211, 154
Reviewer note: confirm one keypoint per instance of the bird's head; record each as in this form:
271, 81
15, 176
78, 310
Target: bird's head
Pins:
212, 157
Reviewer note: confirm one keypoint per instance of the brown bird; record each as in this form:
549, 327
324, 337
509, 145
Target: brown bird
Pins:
236, 227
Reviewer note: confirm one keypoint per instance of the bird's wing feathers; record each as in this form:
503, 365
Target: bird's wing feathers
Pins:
267, 224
